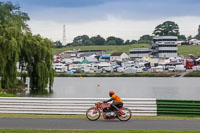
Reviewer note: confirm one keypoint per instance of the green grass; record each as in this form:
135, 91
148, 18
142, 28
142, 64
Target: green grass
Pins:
2, 115
193, 74
108, 48
84, 117
187, 50
182, 50
4, 94
91, 131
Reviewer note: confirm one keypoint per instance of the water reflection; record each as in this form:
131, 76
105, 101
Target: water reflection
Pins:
127, 87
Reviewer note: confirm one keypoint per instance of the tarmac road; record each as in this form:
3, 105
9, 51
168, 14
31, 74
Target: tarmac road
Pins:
84, 124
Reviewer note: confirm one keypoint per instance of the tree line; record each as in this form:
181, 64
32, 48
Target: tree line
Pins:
19, 46
85, 40
167, 28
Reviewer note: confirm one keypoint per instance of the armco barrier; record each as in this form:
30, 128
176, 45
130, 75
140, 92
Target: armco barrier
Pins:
138, 106
178, 107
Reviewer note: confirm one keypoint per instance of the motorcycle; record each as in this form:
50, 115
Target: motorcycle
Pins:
94, 113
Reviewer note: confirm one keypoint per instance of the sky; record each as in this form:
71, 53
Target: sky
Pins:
127, 19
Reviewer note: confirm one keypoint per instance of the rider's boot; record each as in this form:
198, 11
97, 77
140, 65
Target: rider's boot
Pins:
118, 111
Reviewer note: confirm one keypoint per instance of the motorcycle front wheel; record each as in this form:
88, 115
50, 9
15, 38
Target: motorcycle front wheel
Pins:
93, 114
125, 114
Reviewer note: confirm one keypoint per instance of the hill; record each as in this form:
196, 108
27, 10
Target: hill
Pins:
185, 50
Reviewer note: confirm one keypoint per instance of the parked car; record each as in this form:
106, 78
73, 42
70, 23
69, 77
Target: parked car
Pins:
77, 70
120, 69
108, 69
159, 69
99, 71
139, 70
115, 68
196, 68
171, 68
180, 68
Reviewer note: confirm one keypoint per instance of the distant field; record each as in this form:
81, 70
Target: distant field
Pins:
109, 48
182, 50
186, 50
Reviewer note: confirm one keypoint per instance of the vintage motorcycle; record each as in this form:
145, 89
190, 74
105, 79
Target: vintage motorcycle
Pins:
94, 113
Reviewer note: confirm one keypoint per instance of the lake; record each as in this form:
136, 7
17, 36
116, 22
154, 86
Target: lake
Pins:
127, 87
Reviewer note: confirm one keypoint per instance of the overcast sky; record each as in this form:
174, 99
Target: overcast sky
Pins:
127, 19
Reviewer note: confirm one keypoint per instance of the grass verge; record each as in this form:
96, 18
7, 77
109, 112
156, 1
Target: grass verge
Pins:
4, 94
91, 131
84, 117
193, 74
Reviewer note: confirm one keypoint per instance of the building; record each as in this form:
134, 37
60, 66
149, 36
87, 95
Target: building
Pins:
119, 57
139, 53
164, 47
68, 54
83, 53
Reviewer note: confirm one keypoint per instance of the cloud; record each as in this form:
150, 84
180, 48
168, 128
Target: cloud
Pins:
59, 3
128, 19
79, 11
112, 26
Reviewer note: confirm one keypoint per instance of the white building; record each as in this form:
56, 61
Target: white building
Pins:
119, 57
164, 47
139, 53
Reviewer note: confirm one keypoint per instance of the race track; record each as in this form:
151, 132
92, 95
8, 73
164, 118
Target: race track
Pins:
55, 123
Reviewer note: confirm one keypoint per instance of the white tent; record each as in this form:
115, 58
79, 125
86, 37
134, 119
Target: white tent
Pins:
92, 58
130, 70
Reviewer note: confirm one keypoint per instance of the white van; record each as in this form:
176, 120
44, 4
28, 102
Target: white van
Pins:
180, 68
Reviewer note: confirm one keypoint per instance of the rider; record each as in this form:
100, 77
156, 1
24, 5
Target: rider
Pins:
116, 101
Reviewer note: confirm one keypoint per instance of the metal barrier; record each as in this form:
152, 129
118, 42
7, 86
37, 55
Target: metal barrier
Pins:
138, 106
178, 107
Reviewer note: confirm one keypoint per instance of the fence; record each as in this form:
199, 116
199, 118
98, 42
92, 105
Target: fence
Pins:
138, 106
178, 107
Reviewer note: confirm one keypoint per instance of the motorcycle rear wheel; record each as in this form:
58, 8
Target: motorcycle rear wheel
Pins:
126, 116
93, 114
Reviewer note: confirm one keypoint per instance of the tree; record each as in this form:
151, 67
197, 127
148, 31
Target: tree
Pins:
111, 42
133, 42
115, 40
38, 56
127, 42
58, 44
81, 40
97, 40
198, 35
145, 39
12, 28
182, 38
17, 44
168, 28
189, 37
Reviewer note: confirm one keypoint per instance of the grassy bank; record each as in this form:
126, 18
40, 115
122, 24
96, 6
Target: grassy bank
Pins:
4, 94
91, 131
187, 50
108, 48
193, 74
182, 50
116, 75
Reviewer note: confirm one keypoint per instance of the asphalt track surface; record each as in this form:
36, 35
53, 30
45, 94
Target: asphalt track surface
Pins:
84, 124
